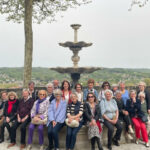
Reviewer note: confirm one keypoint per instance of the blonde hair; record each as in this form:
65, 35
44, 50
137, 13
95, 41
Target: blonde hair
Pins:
142, 83
12, 93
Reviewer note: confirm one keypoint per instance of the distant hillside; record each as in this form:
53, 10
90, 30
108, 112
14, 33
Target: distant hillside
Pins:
44, 75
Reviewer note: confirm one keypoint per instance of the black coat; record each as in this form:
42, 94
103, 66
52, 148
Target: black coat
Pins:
51, 98
134, 109
13, 114
147, 98
88, 114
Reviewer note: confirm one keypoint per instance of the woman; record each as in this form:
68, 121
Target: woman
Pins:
78, 88
92, 116
134, 108
90, 88
10, 114
38, 117
66, 90
125, 93
74, 113
110, 114
105, 86
56, 118
142, 88
124, 115
141, 96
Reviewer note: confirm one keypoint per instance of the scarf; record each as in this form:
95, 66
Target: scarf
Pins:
39, 101
10, 105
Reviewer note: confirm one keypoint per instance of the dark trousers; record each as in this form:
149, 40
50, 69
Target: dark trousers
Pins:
71, 136
22, 130
53, 134
127, 120
110, 127
5, 124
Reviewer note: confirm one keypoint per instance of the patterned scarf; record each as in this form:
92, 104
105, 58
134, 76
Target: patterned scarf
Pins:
38, 104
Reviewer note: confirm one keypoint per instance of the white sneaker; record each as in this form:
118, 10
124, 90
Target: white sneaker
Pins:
147, 144
29, 147
131, 131
137, 141
129, 136
41, 147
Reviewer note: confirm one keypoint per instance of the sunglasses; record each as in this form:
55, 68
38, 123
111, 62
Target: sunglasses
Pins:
90, 96
42, 94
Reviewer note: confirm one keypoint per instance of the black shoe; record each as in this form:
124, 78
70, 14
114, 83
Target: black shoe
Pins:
109, 147
48, 148
116, 142
1, 140
99, 144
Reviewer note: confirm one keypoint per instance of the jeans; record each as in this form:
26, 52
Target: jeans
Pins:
53, 134
22, 129
110, 127
71, 136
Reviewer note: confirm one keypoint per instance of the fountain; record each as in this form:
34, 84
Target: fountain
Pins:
75, 47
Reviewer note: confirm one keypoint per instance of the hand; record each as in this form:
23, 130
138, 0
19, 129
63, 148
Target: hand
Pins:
19, 119
7, 119
24, 118
148, 111
125, 113
113, 121
54, 123
134, 100
94, 122
69, 120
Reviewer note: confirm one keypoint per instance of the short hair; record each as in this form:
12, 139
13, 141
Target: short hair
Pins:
95, 99
62, 85
2, 92
121, 82
73, 93
132, 91
50, 84
31, 82
25, 90
114, 85
91, 81
105, 82
141, 94
79, 85
42, 91
142, 83
108, 91
57, 92
12, 93
117, 92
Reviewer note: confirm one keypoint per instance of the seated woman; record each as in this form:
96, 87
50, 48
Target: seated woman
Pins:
74, 115
66, 91
92, 116
56, 118
79, 92
10, 114
109, 111
133, 106
124, 115
38, 117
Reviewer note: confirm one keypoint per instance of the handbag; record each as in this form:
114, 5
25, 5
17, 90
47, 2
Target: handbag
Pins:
73, 124
44, 121
144, 118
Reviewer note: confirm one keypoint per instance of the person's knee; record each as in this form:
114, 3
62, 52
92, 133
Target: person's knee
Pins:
111, 129
54, 132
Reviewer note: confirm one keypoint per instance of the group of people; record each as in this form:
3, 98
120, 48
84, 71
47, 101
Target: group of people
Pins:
60, 106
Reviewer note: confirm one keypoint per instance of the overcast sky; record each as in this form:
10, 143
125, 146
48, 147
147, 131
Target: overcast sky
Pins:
120, 38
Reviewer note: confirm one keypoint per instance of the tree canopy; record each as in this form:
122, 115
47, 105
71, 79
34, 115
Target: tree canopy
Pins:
42, 9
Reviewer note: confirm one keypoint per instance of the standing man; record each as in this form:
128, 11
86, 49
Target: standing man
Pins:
32, 92
56, 84
50, 94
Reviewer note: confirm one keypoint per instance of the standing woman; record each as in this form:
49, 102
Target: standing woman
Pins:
38, 117
56, 118
66, 91
79, 92
10, 114
92, 116
110, 114
74, 121
134, 108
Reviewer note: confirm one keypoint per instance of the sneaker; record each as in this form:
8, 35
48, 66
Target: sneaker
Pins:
41, 147
29, 147
137, 141
129, 137
131, 131
116, 142
147, 144
11, 145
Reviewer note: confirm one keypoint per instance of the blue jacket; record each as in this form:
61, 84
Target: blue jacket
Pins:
59, 114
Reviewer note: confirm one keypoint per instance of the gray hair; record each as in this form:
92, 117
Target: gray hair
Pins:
50, 85
132, 91
25, 90
142, 83
57, 92
118, 92
108, 91
74, 93
141, 94
114, 85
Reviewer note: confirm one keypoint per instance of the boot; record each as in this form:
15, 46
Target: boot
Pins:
93, 143
99, 143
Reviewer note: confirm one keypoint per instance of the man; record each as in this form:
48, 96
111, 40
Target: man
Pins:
23, 118
50, 89
32, 92
56, 84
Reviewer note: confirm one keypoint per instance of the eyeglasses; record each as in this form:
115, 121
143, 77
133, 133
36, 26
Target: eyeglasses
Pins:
78, 87
90, 96
106, 85
42, 94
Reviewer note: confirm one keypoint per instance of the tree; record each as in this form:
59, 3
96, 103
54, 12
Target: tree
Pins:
37, 11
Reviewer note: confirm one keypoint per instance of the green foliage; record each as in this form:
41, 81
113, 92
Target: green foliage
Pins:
42, 9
